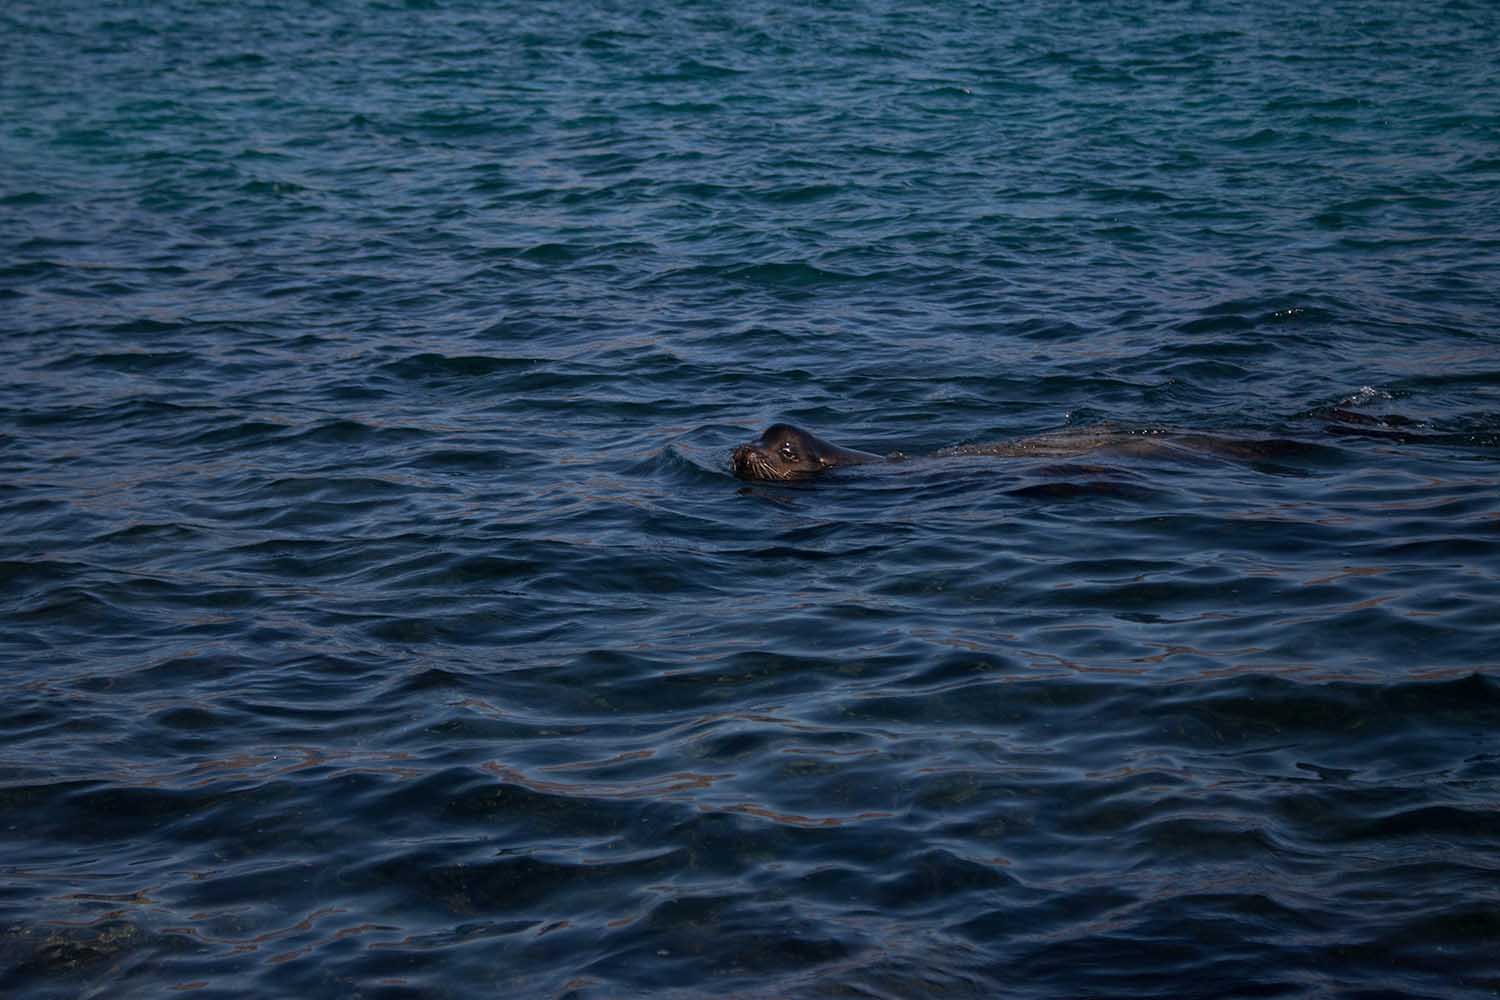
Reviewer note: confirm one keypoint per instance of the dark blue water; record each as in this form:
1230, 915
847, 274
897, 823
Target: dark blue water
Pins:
379, 616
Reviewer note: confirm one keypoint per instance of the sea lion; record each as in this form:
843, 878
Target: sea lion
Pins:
785, 452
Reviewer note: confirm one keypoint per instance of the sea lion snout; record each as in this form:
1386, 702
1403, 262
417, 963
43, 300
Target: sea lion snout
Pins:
750, 461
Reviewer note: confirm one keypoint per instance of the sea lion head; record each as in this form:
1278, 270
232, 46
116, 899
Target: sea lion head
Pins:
785, 452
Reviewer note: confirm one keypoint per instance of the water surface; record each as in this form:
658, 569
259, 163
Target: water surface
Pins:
381, 617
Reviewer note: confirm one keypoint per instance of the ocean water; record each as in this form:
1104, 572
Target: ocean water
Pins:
380, 617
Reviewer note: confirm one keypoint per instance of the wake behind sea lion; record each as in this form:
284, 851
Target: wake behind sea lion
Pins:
786, 453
